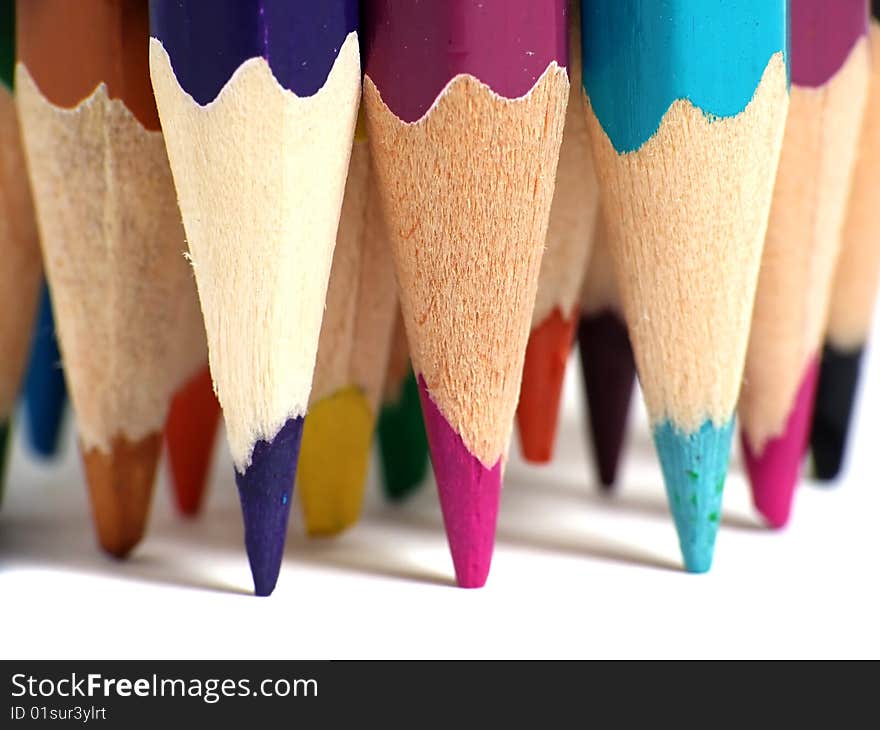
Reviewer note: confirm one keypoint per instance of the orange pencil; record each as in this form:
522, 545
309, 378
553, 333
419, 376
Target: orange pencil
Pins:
569, 240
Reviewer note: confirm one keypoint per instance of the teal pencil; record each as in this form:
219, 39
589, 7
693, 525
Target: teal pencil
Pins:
686, 106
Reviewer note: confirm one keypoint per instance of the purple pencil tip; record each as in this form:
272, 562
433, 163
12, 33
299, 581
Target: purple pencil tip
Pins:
266, 492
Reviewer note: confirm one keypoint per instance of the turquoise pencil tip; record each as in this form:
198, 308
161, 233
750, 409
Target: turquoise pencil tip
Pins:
694, 469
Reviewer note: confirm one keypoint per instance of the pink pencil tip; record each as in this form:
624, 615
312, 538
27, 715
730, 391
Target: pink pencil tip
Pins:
469, 494
774, 473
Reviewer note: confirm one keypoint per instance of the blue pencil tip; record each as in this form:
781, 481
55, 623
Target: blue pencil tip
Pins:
694, 470
265, 491
45, 393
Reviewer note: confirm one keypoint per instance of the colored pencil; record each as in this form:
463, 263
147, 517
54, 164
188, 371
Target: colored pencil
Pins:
352, 359
830, 68
465, 106
686, 110
19, 245
569, 238
403, 443
190, 434
607, 364
258, 104
194, 415
111, 239
45, 393
854, 289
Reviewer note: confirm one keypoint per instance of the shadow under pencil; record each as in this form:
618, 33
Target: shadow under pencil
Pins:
73, 549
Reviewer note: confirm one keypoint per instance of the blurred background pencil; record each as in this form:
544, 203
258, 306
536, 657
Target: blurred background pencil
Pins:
194, 415
686, 108
830, 68
564, 263
190, 434
45, 393
352, 358
451, 91
112, 239
607, 365
854, 288
403, 443
19, 245
258, 104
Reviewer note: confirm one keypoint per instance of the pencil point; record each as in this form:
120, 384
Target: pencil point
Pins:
45, 393
609, 378
335, 452
403, 444
775, 471
265, 490
190, 433
835, 398
121, 487
4, 448
469, 494
537, 413
694, 470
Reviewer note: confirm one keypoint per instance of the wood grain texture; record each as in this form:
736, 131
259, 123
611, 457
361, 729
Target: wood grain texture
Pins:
377, 304
352, 359
20, 273
361, 305
261, 222
71, 47
600, 291
687, 213
190, 345
398, 361
113, 249
467, 191
574, 207
336, 341
803, 241
858, 267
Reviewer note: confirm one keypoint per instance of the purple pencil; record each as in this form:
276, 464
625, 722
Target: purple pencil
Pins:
258, 102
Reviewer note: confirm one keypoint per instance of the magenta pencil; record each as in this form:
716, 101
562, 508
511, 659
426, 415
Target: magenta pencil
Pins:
830, 72
451, 89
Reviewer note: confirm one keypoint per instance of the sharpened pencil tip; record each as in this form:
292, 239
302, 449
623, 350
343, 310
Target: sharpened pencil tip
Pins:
45, 393
775, 471
121, 488
4, 447
337, 437
265, 490
537, 414
609, 375
190, 433
694, 471
469, 495
403, 442
835, 399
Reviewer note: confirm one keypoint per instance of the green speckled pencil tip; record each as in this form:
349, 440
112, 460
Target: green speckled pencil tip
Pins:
694, 470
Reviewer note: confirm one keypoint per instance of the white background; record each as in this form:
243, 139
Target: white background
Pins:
575, 574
